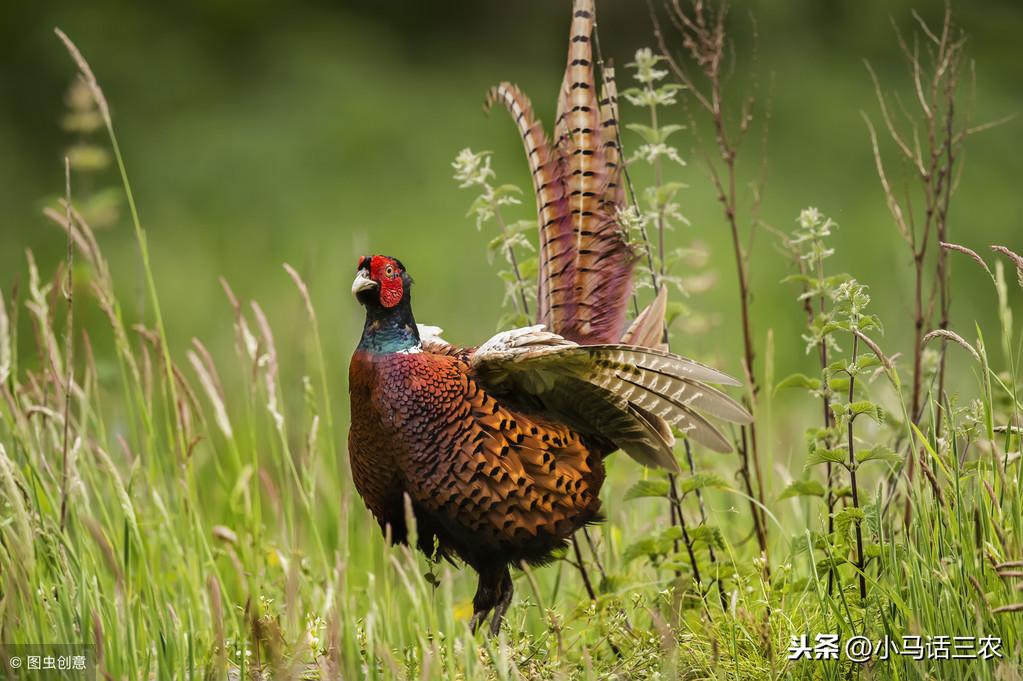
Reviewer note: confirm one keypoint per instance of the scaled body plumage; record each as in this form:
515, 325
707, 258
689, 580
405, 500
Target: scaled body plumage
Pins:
500, 448
487, 479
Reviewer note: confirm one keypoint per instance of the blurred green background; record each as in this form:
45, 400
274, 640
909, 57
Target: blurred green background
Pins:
257, 133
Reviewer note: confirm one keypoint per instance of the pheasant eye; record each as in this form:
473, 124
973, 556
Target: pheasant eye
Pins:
389, 271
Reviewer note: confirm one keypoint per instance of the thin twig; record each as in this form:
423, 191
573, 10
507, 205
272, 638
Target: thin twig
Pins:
582, 569
657, 277
935, 160
68, 343
852, 474
512, 259
703, 39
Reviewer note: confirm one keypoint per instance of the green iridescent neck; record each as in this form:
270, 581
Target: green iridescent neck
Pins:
390, 330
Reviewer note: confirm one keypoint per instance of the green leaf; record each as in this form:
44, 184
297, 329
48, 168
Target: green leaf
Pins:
869, 408
660, 545
821, 455
799, 279
838, 366
878, 453
845, 518
930, 450
677, 563
801, 544
481, 207
667, 191
834, 326
528, 268
803, 488
670, 534
815, 436
868, 322
798, 381
669, 130
674, 310
520, 226
839, 383
867, 361
88, 157
701, 481
648, 488
826, 565
649, 135
644, 547
496, 244
708, 535
506, 190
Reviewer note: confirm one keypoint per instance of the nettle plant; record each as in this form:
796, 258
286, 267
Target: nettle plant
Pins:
512, 243
837, 316
655, 210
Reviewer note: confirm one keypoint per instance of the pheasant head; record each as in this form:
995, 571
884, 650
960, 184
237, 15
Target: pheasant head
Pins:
384, 288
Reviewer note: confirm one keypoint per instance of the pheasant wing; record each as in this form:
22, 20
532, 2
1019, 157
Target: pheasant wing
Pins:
639, 386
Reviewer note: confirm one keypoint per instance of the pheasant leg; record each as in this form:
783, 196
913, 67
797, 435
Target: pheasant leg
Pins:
504, 600
488, 593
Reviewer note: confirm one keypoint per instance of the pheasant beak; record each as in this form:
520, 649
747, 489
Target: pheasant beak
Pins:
362, 283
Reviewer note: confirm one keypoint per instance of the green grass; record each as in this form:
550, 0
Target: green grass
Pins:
212, 526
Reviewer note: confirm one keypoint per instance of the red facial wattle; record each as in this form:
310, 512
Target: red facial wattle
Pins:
387, 274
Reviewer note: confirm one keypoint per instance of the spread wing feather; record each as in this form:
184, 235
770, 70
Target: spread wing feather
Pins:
625, 394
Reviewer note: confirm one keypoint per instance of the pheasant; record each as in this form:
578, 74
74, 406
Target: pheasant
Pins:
498, 449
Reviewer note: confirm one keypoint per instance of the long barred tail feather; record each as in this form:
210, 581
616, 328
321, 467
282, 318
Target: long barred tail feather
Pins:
555, 296
603, 258
585, 277
613, 190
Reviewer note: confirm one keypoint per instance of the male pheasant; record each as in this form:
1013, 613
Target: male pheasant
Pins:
499, 448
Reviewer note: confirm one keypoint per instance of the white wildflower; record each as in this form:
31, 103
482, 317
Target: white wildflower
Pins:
646, 66
809, 217
471, 168
652, 152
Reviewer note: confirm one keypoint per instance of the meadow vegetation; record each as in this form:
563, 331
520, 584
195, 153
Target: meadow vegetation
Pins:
191, 514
